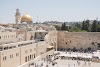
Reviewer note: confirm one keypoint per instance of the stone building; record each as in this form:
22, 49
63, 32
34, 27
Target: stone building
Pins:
16, 51
7, 37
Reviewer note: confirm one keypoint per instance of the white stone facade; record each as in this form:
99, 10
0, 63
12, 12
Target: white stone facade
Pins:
21, 53
7, 37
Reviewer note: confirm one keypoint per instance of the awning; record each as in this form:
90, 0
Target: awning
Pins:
50, 47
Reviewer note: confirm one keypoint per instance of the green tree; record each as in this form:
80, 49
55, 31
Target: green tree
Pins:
98, 27
86, 26
94, 26
64, 27
74, 29
83, 25
78, 25
57, 27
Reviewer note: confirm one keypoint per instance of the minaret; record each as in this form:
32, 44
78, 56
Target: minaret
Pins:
17, 16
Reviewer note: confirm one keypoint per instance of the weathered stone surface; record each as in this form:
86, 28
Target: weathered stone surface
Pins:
78, 40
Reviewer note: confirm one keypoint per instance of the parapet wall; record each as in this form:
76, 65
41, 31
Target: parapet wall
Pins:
78, 40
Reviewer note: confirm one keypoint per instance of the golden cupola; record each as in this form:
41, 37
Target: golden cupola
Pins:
26, 18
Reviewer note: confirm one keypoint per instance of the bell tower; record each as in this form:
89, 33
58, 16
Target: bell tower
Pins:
17, 16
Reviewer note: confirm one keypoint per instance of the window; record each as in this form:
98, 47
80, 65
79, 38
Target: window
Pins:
70, 41
10, 56
25, 59
8, 36
17, 54
30, 50
34, 55
0, 37
25, 51
30, 57
40, 33
45, 33
4, 58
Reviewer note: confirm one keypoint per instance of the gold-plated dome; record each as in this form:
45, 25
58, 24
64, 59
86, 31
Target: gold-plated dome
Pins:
26, 18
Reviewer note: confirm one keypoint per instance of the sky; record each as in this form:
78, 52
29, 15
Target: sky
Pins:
50, 10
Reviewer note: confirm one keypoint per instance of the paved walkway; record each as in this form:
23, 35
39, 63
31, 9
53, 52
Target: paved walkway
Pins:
74, 63
68, 63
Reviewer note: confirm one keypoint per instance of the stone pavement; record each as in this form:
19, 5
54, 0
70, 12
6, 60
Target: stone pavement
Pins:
67, 63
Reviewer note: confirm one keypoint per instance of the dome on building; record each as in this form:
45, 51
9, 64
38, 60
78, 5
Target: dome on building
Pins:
26, 18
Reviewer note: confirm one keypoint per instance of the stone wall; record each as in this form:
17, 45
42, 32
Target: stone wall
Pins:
41, 48
78, 40
51, 38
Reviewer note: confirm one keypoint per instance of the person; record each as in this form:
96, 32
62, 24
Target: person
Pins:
41, 64
37, 65
78, 62
74, 65
68, 65
85, 63
47, 66
89, 63
44, 59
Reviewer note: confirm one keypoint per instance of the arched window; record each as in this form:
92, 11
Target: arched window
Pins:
0, 37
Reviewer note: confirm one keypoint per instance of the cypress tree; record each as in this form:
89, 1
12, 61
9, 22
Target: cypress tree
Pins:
94, 26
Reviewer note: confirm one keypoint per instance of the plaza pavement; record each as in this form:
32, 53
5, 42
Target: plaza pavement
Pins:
67, 63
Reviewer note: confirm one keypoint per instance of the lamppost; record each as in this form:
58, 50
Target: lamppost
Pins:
36, 49
56, 46
56, 41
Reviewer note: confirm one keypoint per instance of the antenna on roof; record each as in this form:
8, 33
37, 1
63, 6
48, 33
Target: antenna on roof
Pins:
37, 19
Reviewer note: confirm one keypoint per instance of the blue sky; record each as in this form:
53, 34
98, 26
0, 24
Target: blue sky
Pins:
47, 10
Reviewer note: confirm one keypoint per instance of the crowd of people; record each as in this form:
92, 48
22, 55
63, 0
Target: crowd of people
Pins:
52, 61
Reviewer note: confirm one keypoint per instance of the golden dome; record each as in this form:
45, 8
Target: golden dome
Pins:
26, 18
